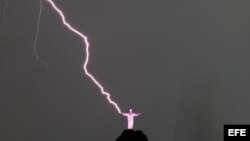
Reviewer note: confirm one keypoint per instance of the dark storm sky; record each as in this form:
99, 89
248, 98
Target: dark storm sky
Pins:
184, 64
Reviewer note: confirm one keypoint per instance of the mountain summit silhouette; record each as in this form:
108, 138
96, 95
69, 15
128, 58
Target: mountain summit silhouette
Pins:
132, 135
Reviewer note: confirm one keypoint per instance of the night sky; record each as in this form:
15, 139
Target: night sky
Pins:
183, 64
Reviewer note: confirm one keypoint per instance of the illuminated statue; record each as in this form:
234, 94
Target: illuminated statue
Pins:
130, 116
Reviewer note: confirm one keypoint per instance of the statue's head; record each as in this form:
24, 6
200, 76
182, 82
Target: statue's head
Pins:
130, 110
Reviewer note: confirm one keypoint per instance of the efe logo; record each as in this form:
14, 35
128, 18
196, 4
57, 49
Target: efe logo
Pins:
236, 133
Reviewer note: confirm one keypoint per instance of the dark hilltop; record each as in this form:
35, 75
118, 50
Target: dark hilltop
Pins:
132, 135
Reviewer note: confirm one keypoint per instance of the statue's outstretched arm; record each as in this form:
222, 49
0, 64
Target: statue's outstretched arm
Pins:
137, 114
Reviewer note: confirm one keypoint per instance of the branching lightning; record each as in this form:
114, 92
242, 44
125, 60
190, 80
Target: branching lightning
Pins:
35, 47
4, 9
86, 61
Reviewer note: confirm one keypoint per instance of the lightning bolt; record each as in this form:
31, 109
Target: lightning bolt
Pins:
86, 61
5, 63
4, 9
35, 47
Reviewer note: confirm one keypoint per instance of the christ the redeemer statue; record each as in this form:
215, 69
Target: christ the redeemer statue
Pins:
130, 116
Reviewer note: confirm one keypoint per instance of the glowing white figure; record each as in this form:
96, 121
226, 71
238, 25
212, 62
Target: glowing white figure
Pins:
130, 116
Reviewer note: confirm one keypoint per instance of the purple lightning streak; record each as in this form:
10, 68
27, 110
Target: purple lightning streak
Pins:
85, 39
